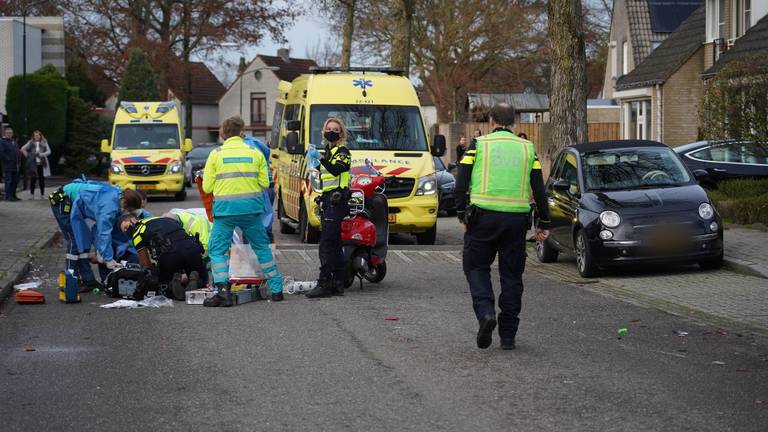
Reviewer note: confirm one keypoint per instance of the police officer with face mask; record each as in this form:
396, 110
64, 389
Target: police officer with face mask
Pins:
335, 178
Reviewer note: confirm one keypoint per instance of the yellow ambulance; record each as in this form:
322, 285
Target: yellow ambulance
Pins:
147, 149
385, 125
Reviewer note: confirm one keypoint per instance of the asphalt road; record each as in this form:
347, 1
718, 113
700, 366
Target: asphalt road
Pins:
395, 356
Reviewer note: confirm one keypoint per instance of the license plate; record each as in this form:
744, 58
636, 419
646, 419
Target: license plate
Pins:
393, 218
145, 186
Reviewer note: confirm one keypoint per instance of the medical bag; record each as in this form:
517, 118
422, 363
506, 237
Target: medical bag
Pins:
131, 282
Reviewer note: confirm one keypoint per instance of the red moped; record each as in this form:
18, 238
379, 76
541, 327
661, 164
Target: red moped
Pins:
365, 231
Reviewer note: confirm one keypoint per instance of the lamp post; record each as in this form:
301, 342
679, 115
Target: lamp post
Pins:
257, 75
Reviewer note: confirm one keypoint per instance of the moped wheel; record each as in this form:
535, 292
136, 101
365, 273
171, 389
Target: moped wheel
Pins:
377, 274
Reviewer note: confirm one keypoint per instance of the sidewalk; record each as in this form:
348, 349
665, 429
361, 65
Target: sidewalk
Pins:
27, 226
746, 251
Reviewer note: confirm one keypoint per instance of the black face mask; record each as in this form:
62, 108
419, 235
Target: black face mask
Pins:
331, 136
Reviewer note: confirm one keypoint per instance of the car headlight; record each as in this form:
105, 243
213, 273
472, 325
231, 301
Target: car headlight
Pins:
116, 168
427, 185
314, 181
706, 211
364, 180
175, 167
610, 219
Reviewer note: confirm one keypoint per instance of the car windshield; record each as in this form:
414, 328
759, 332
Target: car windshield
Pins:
633, 168
372, 127
146, 137
200, 152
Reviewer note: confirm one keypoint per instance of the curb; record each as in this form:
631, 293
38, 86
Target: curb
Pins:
744, 267
21, 268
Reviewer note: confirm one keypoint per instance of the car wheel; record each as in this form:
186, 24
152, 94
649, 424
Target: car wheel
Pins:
585, 263
180, 196
307, 233
545, 252
712, 263
428, 237
284, 227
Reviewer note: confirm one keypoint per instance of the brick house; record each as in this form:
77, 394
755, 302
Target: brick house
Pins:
252, 95
660, 97
637, 28
206, 92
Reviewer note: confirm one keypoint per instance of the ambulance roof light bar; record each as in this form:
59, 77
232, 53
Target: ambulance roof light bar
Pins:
319, 70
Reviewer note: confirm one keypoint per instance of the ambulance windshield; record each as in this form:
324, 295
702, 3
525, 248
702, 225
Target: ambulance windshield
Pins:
372, 127
146, 137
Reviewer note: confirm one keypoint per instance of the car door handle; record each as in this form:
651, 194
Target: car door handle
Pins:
719, 170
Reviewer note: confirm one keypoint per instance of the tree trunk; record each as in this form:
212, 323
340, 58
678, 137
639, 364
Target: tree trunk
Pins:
186, 52
568, 79
348, 30
400, 56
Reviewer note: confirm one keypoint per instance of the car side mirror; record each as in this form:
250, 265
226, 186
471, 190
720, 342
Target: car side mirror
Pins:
438, 145
452, 166
293, 125
561, 185
701, 174
105, 147
187, 145
292, 145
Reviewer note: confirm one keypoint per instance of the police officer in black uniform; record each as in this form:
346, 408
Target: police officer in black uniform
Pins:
495, 176
164, 240
335, 179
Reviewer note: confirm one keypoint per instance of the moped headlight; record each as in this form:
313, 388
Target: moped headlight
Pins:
364, 180
610, 219
175, 167
706, 211
427, 185
116, 168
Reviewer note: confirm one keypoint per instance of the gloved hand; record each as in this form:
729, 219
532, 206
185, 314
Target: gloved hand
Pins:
313, 153
113, 265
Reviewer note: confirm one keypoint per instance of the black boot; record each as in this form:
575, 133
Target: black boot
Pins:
324, 288
177, 288
338, 287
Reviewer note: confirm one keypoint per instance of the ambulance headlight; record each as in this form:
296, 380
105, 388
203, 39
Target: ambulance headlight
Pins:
116, 168
427, 185
175, 167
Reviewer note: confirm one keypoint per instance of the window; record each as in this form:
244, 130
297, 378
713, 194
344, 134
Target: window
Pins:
258, 108
632, 168
571, 172
742, 14
715, 19
625, 58
614, 60
734, 152
276, 122
637, 120
292, 112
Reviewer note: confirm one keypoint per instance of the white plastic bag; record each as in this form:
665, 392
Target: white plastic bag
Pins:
243, 263
150, 302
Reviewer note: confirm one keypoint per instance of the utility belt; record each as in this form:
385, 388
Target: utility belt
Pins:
159, 246
61, 200
337, 195
473, 213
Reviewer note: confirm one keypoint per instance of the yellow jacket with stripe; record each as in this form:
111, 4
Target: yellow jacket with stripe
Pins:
237, 175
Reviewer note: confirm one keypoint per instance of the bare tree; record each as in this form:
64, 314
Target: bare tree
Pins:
325, 53
401, 36
568, 83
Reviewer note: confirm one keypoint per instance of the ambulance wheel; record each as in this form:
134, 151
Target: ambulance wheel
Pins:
306, 232
180, 196
428, 237
284, 227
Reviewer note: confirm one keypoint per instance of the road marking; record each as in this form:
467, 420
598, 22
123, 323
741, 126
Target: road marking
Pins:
402, 256
451, 257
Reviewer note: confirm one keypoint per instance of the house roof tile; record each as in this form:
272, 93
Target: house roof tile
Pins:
206, 88
670, 55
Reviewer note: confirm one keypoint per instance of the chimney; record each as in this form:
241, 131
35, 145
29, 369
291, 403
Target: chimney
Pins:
285, 54
241, 67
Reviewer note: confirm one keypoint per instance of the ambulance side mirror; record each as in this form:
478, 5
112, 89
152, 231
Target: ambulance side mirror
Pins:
187, 145
293, 125
105, 147
292, 145
438, 145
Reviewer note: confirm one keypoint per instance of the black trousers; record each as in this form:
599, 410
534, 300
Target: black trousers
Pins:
489, 234
185, 257
332, 265
41, 180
